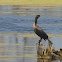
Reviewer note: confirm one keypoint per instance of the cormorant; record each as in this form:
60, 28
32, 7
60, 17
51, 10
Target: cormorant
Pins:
39, 31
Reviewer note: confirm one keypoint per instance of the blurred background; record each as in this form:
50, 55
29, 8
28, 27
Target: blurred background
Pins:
17, 38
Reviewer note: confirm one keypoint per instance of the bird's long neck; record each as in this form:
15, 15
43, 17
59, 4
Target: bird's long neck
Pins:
35, 21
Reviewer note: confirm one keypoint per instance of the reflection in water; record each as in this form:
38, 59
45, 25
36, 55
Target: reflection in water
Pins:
44, 60
60, 60
16, 48
48, 60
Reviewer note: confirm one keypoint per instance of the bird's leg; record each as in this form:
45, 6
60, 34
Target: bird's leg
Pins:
39, 41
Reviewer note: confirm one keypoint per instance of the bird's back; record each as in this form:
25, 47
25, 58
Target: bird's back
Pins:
40, 33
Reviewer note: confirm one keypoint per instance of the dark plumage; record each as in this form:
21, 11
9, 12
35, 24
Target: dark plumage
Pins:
39, 31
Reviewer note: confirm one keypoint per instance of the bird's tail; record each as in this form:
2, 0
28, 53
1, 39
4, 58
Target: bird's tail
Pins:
50, 42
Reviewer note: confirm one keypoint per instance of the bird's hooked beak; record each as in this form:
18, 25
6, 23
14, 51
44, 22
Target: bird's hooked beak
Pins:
37, 16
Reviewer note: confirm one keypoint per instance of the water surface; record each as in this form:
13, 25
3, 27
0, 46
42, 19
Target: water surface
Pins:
17, 38
20, 18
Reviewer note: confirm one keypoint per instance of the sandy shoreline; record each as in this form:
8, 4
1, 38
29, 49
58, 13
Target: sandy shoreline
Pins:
31, 4
40, 3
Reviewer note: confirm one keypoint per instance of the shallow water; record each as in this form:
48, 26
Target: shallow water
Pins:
17, 38
17, 47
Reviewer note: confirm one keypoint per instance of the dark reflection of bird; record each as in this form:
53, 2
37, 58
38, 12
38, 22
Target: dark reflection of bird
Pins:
39, 31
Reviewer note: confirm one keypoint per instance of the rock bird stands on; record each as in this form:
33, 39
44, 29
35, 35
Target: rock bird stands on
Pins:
39, 31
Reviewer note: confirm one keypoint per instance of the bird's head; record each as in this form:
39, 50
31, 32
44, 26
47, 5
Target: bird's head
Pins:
37, 16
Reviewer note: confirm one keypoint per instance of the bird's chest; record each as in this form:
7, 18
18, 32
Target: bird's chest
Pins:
36, 31
34, 25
